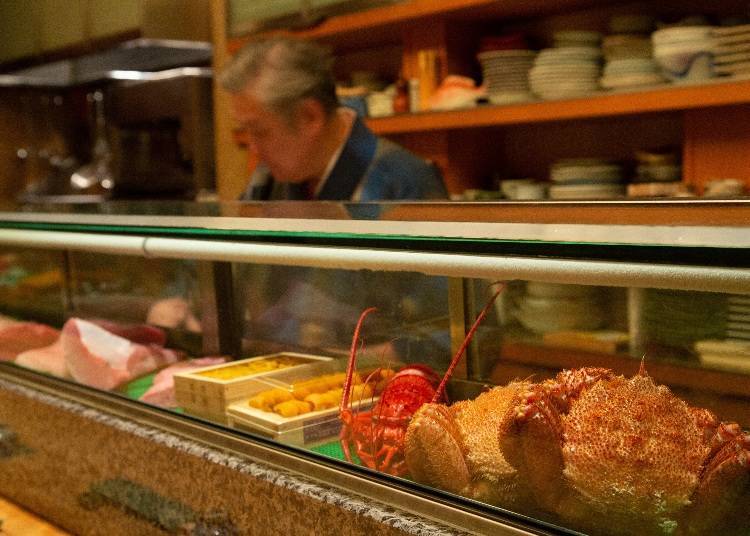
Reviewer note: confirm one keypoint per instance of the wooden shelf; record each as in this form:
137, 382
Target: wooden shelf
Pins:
383, 23
662, 99
724, 393
676, 375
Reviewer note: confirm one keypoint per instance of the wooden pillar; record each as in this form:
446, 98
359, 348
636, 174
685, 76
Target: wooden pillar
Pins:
231, 161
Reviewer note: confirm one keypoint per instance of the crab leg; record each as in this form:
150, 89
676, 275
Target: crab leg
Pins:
719, 504
435, 452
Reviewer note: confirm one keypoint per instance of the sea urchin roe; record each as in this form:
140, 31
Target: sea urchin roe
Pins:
315, 394
268, 399
292, 408
252, 367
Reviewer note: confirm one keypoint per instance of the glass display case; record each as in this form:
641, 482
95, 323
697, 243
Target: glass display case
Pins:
585, 371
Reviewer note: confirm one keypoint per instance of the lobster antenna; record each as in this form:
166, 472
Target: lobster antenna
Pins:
456, 358
367, 381
352, 358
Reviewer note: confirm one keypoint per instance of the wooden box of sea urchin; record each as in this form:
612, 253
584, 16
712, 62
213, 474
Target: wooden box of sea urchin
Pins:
208, 391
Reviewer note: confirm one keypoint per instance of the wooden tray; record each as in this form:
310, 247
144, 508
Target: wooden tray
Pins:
208, 397
307, 430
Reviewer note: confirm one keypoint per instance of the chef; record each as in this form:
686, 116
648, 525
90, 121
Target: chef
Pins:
309, 147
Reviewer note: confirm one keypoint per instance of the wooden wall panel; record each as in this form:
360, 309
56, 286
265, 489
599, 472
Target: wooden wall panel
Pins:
717, 145
13, 130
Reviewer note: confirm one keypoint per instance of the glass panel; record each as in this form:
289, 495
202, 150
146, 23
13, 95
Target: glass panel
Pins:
287, 307
471, 227
586, 407
640, 439
135, 290
31, 284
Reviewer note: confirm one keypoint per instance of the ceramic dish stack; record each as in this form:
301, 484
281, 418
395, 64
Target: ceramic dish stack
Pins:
731, 49
684, 53
566, 72
733, 356
586, 178
679, 318
506, 75
657, 166
738, 317
658, 173
627, 73
549, 307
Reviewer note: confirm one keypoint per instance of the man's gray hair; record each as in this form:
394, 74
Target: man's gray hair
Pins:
281, 71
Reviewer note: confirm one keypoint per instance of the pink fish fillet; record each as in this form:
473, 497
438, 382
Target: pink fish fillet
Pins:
17, 337
161, 392
49, 359
138, 333
101, 359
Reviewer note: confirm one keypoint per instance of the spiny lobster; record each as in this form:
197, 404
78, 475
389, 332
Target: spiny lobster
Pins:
378, 435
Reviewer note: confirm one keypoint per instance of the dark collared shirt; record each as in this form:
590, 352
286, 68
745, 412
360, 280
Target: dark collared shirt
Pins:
369, 169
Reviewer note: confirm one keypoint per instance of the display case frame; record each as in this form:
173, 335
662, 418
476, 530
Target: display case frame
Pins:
707, 248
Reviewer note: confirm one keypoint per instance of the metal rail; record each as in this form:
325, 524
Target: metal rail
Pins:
571, 271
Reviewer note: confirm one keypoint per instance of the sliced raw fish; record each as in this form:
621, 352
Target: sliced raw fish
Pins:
161, 392
49, 359
17, 337
98, 358
138, 333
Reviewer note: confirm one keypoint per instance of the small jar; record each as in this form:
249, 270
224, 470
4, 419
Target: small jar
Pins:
401, 99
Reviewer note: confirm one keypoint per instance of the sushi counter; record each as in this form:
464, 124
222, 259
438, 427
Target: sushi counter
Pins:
96, 472
377, 370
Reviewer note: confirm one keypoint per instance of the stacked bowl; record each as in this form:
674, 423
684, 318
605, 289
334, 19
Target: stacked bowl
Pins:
657, 166
738, 317
628, 73
506, 74
731, 50
586, 178
566, 72
547, 307
629, 55
684, 53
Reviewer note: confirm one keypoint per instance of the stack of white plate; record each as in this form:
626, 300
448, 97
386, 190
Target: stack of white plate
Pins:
631, 72
586, 178
738, 317
506, 75
657, 166
684, 53
547, 307
731, 48
566, 72
728, 355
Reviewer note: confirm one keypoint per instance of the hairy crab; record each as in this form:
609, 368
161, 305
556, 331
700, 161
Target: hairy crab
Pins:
456, 448
625, 456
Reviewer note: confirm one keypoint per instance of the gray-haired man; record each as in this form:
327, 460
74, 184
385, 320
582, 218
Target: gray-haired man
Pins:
283, 94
